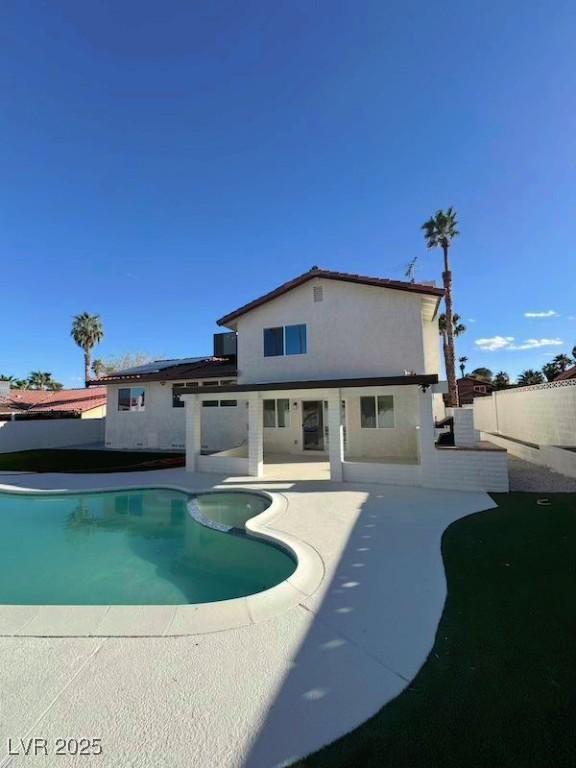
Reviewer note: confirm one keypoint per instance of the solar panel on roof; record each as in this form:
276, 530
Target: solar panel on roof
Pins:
157, 365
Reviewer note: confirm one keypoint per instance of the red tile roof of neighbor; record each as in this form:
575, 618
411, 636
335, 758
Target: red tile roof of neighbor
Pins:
379, 282
73, 401
568, 374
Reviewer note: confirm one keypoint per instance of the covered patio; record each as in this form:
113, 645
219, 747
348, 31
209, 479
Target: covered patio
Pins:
371, 429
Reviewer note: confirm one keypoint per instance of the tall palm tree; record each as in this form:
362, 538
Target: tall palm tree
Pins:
439, 232
530, 377
87, 331
98, 368
458, 329
462, 361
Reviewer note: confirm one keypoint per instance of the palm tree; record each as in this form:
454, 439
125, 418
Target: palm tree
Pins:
20, 384
501, 380
40, 379
458, 329
5, 377
530, 377
54, 386
87, 331
439, 232
462, 360
98, 368
550, 370
562, 362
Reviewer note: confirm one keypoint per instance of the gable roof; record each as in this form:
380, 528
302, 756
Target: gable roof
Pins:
173, 370
570, 373
72, 401
378, 282
476, 380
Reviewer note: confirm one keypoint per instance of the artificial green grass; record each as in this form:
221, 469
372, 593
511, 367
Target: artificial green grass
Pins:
498, 688
71, 460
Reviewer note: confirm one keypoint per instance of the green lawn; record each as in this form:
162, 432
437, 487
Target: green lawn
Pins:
498, 689
71, 460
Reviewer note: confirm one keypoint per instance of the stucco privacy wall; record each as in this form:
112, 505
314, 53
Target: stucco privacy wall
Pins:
545, 414
49, 433
162, 426
354, 331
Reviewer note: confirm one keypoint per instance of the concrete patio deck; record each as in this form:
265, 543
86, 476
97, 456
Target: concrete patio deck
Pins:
260, 695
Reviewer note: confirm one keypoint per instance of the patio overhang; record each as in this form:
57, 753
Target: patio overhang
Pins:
424, 381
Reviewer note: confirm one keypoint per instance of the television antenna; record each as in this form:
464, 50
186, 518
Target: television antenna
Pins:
411, 270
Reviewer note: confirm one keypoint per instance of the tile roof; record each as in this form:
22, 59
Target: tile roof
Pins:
570, 373
379, 282
73, 401
188, 368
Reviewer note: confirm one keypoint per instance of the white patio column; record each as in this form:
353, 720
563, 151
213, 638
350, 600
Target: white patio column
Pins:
193, 419
255, 435
426, 436
335, 435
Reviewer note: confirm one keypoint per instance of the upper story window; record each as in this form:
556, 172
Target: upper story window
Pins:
377, 412
285, 340
131, 399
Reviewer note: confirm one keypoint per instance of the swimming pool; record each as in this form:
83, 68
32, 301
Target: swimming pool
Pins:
133, 547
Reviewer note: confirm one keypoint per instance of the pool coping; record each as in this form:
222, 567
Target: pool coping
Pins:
175, 620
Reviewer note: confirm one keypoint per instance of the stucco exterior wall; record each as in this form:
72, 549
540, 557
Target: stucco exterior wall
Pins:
95, 413
355, 331
399, 441
162, 426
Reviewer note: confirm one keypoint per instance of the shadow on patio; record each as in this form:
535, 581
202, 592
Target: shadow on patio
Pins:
370, 626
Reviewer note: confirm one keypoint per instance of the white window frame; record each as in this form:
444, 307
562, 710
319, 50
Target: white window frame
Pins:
131, 409
276, 425
377, 425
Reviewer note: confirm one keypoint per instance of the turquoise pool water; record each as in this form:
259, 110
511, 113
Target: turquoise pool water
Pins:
131, 548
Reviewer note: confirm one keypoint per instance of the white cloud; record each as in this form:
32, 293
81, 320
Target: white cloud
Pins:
548, 313
495, 343
470, 320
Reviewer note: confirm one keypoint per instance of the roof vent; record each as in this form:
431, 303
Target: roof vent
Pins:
318, 293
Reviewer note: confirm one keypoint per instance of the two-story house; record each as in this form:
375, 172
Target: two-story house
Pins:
333, 365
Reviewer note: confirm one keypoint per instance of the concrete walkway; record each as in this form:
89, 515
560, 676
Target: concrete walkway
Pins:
261, 695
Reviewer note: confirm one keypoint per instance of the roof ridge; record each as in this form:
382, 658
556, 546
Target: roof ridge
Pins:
381, 282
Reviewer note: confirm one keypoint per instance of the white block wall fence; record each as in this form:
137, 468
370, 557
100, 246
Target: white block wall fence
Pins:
49, 433
544, 414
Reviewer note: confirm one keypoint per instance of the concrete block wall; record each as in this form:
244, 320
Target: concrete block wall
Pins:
544, 415
49, 433
470, 470
464, 434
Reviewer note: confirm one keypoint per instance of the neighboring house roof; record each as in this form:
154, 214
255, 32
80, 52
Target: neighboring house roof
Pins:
72, 401
476, 380
173, 370
568, 374
379, 282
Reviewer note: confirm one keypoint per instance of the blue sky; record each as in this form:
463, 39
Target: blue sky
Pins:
163, 163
